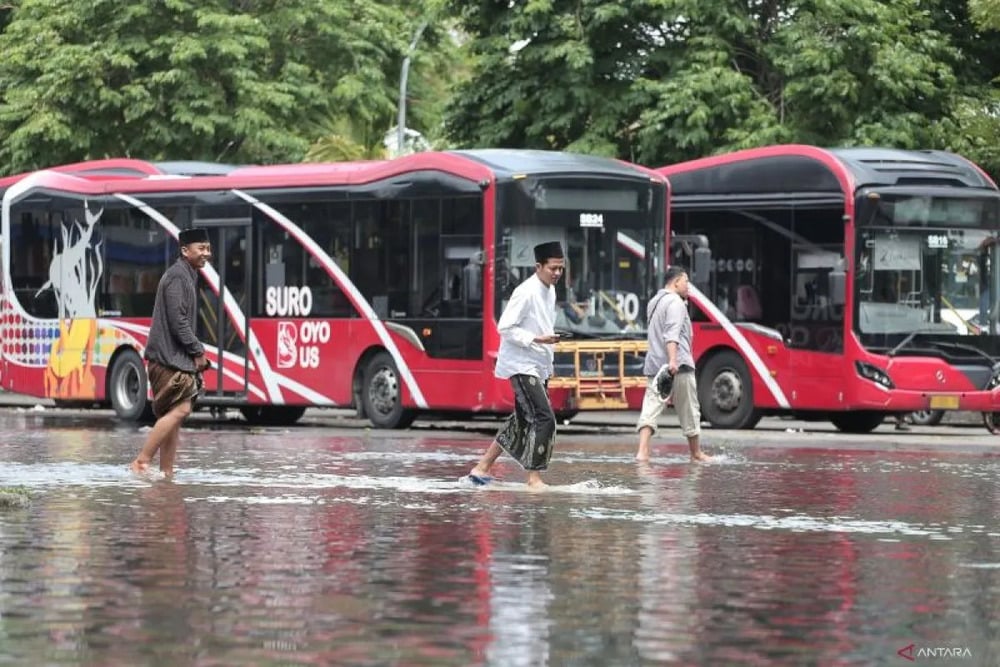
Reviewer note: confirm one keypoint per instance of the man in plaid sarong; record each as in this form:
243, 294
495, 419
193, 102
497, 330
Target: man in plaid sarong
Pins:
175, 356
525, 358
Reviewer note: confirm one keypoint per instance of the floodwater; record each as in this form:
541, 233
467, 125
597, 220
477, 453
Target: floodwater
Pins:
311, 546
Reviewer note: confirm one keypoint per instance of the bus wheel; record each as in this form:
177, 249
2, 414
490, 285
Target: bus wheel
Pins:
991, 420
128, 388
382, 393
272, 415
725, 392
862, 421
927, 417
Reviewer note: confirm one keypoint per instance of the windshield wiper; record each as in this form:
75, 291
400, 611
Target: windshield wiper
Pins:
964, 346
909, 338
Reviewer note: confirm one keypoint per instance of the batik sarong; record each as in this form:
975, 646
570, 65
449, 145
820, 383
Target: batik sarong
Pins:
529, 434
171, 387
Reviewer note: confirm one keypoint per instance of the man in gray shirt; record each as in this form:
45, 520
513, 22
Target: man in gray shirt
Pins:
174, 356
669, 336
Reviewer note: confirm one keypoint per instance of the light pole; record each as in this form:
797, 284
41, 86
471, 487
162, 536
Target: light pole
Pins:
403, 76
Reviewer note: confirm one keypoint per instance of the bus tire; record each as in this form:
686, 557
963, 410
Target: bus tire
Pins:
272, 415
860, 421
927, 417
382, 394
725, 392
128, 388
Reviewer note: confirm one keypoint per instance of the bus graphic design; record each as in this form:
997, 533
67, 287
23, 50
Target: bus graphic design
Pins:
287, 349
74, 274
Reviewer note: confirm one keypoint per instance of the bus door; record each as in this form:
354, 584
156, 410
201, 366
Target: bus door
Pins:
224, 316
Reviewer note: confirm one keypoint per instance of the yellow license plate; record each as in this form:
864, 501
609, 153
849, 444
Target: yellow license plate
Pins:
944, 402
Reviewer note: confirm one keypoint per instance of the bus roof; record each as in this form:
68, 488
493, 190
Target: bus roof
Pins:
475, 166
799, 170
115, 169
508, 163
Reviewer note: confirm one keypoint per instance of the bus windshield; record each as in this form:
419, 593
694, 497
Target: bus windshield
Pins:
613, 233
925, 266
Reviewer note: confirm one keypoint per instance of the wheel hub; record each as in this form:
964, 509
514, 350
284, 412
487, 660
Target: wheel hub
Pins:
383, 393
127, 390
727, 390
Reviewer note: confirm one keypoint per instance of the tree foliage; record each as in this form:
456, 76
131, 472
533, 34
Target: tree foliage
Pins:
247, 81
986, 13
659, 81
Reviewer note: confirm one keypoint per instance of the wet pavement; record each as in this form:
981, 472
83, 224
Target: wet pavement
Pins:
318, 545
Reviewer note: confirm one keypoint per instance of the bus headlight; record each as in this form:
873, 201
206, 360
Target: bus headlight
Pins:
874, 373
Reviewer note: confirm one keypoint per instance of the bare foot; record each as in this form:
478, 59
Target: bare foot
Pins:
642, 456
535, 481
700, 457
138, 467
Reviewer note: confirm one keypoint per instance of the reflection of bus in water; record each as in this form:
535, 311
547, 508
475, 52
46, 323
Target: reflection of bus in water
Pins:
375, 285
844, 284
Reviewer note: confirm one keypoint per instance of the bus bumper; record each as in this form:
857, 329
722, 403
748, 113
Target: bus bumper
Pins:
901, 400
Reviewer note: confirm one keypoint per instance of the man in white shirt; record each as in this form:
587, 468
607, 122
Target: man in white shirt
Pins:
527, 334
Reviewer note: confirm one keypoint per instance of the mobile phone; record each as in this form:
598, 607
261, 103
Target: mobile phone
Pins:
564, 334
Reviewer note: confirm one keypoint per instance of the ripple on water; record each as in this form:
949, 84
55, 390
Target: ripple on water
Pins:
797, 523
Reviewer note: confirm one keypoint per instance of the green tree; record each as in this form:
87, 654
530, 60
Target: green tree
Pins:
659, 81
986, 13
190, 78
341, 139
976, 29
6, 9
554, 73
437, 64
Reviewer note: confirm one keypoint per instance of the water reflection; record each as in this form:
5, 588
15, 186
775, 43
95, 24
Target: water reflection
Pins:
321, 549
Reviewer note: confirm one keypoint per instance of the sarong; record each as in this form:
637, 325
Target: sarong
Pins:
171, 387
529, 434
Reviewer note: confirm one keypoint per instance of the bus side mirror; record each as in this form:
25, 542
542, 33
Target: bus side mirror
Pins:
700, 272
837, 287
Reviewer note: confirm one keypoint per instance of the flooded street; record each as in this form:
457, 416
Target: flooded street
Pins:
320, 546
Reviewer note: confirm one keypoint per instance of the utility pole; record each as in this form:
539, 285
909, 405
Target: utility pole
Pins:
403, 76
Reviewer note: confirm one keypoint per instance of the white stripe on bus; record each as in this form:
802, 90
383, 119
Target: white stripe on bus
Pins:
236, 359
631, 245
738, 338
345, 284
144, 330
313, 397
741, 342
253, 345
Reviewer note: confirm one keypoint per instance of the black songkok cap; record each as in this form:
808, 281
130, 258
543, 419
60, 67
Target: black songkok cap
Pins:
195, 235
546, 251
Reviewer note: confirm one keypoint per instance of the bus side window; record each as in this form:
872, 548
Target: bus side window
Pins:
135, 257
425, 295
329, 225
462, 250
31, 231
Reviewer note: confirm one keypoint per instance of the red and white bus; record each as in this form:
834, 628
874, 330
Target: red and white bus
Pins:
842, 284
375, 285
